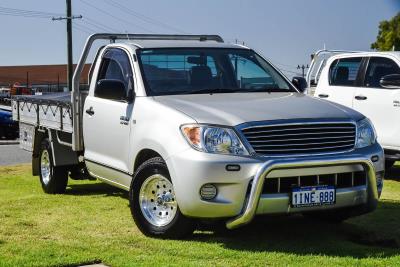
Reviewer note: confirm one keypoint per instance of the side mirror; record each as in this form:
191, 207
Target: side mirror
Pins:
300, 83
110, 89
391, 81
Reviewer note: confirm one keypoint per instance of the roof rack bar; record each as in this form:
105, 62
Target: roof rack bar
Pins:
183, 37
77, 142
174, 37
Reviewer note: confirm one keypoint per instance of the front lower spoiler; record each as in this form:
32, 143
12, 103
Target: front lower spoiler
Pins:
251, 202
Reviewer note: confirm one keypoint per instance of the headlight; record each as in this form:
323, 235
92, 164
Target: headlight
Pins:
366, 134
213, 139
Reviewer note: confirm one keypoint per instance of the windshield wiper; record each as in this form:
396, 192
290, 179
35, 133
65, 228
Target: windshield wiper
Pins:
234, 90
272, 90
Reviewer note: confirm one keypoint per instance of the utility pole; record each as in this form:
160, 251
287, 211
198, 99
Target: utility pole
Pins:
69, 18
302, 67
69, 44
27, 80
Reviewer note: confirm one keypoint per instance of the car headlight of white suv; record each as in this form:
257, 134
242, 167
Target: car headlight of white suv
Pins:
213, 139
366, 134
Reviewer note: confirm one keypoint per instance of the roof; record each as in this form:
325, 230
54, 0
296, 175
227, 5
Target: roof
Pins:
181, 43
368, 54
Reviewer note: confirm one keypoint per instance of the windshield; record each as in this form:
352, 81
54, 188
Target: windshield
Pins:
203, 70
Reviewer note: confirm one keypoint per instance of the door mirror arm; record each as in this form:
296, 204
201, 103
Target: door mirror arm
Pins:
130, 96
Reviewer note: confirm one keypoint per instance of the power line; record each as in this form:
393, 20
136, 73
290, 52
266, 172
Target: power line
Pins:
99, 25
115, 17
26, 13
289, 71
281, 64
87, 28
76, 27
142, 17
94, 25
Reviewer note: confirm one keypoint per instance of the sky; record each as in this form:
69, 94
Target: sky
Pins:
284, 31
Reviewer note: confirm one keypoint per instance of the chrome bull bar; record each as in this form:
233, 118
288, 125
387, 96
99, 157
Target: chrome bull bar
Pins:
251, 202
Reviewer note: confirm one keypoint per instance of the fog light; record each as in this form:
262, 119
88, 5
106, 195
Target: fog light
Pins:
232, 168
208, 191
375, 158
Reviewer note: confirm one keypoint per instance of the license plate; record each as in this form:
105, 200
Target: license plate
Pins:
313, 196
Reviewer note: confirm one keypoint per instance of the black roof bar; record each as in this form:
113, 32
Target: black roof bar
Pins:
176, 37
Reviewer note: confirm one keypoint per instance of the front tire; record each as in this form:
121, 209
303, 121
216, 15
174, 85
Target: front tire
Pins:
153, 204
53, 179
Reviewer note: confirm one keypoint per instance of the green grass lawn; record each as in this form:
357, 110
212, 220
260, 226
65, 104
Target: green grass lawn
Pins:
92, 223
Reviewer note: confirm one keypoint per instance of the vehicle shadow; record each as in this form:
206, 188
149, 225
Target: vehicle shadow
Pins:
95, 189
393, 173
360, 237
375, 235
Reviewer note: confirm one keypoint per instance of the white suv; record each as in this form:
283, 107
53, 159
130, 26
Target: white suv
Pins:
368, 82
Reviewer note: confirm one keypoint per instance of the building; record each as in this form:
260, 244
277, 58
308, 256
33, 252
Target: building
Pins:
46, 78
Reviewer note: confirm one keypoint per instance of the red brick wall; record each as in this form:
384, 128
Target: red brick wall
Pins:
38, 74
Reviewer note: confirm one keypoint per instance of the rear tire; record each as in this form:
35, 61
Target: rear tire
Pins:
153, 204
53, 179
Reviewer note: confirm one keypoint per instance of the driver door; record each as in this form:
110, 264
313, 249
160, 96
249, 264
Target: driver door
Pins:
106, 122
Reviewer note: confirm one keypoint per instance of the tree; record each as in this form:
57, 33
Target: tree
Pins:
389, 35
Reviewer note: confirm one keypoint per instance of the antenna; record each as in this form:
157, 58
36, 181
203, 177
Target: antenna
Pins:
127, 35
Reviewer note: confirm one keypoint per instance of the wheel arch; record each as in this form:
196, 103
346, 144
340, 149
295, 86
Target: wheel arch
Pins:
143, 155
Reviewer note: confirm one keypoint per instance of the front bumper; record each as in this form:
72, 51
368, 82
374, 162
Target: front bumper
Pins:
253, 199
240, 192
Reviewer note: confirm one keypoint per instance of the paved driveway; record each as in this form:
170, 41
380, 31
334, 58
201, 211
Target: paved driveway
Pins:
12, 154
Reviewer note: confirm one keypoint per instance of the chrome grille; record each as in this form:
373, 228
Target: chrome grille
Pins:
339, 180
284, 139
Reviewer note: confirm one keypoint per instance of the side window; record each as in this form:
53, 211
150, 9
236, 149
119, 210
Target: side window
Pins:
115, 65
377, 68
343, 72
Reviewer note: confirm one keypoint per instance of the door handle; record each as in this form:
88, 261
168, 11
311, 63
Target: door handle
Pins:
360, 97
90, 111
323, 95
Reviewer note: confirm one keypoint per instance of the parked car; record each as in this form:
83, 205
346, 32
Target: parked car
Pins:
4, 93
198, 129
8, 127
368, 82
